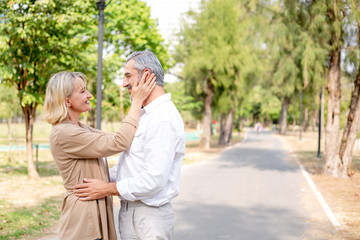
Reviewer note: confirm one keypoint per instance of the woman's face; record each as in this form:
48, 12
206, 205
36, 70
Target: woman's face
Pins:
78, 102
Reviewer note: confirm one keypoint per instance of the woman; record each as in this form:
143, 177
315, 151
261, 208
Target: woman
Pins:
78, 151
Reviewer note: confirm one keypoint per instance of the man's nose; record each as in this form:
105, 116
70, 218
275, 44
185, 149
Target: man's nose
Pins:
125, 83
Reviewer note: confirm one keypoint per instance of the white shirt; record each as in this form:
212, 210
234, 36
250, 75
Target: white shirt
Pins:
149, 170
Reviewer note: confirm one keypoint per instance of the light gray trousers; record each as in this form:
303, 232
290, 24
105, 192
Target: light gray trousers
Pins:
138, 221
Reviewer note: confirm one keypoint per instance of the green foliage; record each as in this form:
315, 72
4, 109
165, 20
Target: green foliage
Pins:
220, 44
37, 38
186, 104
260, 105
128, 27
9, 104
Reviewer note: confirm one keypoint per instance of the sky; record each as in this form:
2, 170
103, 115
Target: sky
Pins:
168, 13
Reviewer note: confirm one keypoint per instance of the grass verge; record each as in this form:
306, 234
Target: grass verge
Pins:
21, 222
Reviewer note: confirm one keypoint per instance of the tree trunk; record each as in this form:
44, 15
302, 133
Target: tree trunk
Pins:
229, 126
306, 119
283, 116
332, 160
91, 118
205, 138
350, 131
9, 138
222, 129
226, 125
29, 111
294, 124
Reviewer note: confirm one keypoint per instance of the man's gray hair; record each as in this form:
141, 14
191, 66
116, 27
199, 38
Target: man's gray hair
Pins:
147, 59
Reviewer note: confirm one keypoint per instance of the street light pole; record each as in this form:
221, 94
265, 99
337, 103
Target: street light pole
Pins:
101, 6
300, 117
320, 122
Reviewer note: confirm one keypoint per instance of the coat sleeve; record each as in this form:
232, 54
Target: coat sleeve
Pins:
79, 143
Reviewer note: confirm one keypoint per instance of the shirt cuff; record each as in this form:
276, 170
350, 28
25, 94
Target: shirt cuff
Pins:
124, 191
131, 120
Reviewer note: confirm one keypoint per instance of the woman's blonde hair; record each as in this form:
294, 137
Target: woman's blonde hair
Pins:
60, 87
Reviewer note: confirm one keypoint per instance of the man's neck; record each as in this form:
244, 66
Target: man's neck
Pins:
157, 92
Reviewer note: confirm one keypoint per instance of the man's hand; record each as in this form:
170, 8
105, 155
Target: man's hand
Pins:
94, 189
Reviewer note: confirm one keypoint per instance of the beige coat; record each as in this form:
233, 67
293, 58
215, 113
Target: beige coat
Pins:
78, 151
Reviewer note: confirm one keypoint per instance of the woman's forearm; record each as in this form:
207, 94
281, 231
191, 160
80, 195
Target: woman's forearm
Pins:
135, 108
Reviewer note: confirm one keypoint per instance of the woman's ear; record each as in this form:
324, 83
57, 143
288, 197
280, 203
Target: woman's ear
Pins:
67, 102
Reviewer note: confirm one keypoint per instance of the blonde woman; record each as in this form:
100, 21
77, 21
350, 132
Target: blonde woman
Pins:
79, 151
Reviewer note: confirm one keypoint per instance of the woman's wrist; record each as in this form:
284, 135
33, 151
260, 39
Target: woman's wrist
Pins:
136, 101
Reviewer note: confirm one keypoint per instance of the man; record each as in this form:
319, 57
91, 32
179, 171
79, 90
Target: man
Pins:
148, 174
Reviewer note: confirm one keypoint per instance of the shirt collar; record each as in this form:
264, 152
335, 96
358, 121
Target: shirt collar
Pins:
163, 98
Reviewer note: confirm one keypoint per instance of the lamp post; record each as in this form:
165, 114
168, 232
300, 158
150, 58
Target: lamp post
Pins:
320, 122
300, 117
101, 6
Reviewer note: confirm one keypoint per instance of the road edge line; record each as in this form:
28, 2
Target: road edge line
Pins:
329, 213
320, 198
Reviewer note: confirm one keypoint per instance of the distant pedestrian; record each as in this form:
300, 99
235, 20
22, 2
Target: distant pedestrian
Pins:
258, 127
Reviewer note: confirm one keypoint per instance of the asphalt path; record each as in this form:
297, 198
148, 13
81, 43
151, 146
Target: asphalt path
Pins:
251, 191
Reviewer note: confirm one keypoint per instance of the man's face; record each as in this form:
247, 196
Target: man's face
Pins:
131, 75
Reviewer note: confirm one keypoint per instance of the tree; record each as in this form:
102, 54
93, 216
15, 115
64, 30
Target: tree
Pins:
128, 28
198, 46
353, 119
36, 38
327, 27
210, 50
335, 19
284, 40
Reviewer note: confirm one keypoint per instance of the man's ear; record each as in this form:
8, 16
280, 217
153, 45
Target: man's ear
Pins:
146, 70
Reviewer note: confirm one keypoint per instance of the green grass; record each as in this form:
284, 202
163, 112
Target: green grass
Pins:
17, 222
40, 133
17, 165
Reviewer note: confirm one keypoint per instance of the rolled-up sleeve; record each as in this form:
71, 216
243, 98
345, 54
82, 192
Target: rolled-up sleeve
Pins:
80, 143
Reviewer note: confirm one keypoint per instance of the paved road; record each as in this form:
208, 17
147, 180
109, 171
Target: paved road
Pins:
251, 191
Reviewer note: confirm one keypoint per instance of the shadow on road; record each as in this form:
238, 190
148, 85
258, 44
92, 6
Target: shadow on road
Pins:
226, 222
261, 159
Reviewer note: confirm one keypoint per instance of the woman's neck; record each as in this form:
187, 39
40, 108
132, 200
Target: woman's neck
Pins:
74, 117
